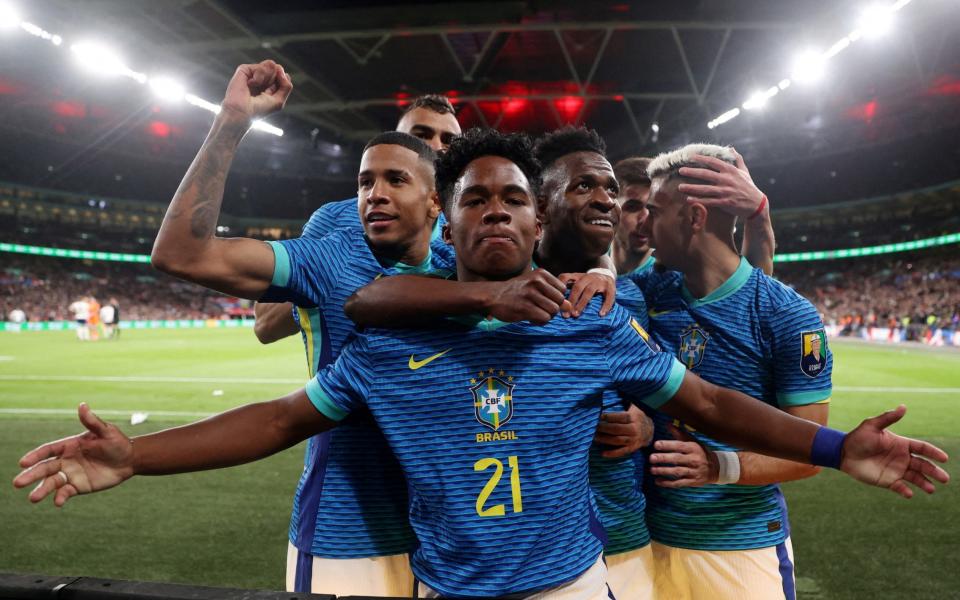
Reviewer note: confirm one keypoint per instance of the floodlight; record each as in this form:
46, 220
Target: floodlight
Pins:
98, 58
784, 84
263, 126
875, 21
730, 114
9, 17
655, 127
201, 103
808, 67
167, 89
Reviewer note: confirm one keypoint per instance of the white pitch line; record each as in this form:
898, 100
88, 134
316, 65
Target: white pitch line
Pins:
899, 390
147, 379
112, 413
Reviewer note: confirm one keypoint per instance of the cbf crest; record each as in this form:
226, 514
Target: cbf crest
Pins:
693, 343
493, 398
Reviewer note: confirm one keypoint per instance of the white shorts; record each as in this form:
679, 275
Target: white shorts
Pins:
761, 574
374, 576
591, 585
630, 574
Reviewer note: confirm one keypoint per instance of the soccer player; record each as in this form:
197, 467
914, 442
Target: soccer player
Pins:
718, 520
579, 213
432, 118
493, 429
81, 312
349, 532
729, 188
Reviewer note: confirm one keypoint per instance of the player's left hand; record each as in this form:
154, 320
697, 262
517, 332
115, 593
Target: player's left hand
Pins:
691, 465
730, 188
626, 432
879, 457
584, 286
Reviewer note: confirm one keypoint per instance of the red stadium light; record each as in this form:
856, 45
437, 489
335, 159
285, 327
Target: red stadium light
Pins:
74, 110
864, 112
159, 129
568, 107
946, 85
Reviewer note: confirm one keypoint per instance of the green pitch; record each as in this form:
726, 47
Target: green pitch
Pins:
228, 528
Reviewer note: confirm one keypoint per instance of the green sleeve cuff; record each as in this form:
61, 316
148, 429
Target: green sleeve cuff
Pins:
669, 389
281, 265
322, 402
803, 398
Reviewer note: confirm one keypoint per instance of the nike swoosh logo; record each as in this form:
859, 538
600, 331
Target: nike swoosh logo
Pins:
415, 364
657, 313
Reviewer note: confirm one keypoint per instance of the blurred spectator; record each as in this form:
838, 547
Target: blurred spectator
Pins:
46, 288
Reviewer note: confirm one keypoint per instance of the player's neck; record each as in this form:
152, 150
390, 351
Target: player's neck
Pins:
412, 253
563, 257
708, 268
626, 260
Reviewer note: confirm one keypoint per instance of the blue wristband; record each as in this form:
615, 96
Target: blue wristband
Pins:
827, 450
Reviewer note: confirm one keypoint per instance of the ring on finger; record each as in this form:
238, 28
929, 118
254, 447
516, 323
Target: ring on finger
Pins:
63, 476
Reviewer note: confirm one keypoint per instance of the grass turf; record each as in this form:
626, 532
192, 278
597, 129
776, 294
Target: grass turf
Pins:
228, 528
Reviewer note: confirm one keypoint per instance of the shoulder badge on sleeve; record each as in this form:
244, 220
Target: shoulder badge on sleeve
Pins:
813, 352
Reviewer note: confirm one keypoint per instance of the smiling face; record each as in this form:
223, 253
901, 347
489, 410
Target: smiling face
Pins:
396, 199
492, 220
580, 201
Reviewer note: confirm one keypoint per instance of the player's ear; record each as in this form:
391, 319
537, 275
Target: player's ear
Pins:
539, 229
435, 207
542, 203
697, 216
445, 233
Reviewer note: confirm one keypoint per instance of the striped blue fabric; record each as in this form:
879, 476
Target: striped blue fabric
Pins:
746, 335
492, 426
351, 500
617, 483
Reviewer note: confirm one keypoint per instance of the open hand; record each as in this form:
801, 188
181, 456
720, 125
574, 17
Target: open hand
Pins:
683, 462
729, 188
584, 286
95, 460
879, 457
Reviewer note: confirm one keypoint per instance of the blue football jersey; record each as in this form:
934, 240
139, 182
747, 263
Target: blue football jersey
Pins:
617, 483
752, 334
351, 499
492, 424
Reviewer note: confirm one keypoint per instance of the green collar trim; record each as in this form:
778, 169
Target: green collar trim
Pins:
404, 268
727, 288
480, 322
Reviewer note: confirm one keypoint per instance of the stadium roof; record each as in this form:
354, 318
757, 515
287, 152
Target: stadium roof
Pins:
647, 75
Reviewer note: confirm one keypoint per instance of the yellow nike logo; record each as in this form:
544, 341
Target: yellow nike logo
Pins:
657, 313
415, 364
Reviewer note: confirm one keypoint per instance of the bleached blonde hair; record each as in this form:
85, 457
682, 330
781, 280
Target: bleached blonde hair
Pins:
669, 163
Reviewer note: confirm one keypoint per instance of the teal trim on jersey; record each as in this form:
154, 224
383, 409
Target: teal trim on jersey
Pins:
281, 265
727, 288
322, 402
646, 265
480, 322
803, 398
437, 231
669, 389
423, 267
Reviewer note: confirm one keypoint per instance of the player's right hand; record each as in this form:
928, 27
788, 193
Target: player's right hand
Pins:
535, 296
256, 91
876, 456
95, 460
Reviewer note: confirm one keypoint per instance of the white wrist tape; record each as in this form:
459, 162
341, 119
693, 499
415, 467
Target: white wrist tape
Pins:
604, 272
729, 471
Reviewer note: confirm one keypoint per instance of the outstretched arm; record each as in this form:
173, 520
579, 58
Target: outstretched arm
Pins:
731, 189
693, 465
869, 453
402, 300
186, 246
104, 457
274, 321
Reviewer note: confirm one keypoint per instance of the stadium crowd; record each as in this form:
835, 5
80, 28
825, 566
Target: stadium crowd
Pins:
912, 295
44, 288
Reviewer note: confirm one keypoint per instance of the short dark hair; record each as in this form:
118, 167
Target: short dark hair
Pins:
398, 138
436, 102
477, 142
567, 140
632, 171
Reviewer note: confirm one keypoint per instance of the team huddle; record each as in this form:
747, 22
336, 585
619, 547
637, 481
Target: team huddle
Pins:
494, 329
